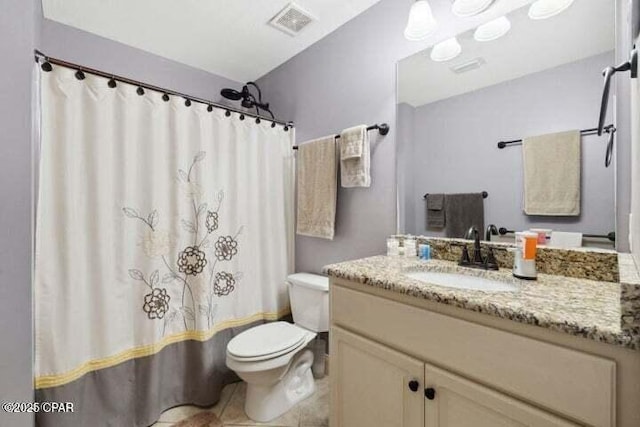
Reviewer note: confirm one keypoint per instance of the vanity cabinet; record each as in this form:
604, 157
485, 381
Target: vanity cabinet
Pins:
452, 401
398, 361
374, 385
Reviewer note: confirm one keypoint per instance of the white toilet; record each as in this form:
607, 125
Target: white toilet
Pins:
273, 359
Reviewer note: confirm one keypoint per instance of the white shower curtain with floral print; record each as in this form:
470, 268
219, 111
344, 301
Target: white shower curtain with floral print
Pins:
157, 223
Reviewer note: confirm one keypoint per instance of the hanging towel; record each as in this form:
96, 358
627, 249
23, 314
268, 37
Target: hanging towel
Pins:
352, 142
317, 188
354, 168
463, 211
552, 174
566, 240
435, 210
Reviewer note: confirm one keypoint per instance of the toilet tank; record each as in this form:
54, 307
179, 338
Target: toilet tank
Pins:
309, 298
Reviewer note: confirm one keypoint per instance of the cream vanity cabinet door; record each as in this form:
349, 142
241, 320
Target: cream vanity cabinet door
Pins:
372, 385
451, 401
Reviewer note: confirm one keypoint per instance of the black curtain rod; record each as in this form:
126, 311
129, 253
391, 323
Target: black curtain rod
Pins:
484, 195
584, 132
610, 236
383, 128
113, 78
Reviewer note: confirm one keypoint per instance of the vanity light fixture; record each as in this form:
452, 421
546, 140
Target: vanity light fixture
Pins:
446, 50
543, 9
492, 30
466, 8
421, 23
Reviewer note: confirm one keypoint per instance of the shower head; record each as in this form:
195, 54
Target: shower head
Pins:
248, 99
231, 94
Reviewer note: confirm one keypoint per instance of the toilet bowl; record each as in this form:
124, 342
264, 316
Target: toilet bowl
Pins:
274, 359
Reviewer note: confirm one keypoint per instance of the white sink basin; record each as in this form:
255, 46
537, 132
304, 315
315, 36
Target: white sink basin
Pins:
461, 281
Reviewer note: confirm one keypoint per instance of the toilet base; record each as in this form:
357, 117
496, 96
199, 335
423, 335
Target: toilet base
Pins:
267, 402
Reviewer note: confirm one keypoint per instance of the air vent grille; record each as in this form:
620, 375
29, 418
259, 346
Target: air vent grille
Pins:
468, 65
292, 19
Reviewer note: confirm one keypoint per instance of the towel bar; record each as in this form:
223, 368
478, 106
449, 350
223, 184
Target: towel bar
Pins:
484, 195
383, 128
583, 132
609, 236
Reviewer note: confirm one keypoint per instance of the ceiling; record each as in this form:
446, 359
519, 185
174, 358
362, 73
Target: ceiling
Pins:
587, 28
230, 38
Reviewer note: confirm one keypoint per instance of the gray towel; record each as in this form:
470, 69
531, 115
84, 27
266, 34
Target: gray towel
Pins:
463, 211
435, 210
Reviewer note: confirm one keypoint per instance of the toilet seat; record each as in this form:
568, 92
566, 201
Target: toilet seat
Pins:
266, 341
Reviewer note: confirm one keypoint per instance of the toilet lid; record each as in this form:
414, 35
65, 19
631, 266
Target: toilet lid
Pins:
265, 341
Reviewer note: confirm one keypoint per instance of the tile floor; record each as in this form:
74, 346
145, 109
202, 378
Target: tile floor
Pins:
312, 412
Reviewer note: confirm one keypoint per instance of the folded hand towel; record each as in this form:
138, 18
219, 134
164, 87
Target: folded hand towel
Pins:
317, 188
435, 210
355, 171
352, 141
552, 174
562, 239
463, 211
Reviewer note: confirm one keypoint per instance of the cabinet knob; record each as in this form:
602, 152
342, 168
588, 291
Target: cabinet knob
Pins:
430, 393
414, 385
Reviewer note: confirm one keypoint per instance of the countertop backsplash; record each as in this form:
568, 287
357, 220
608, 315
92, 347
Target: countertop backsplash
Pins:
582, 263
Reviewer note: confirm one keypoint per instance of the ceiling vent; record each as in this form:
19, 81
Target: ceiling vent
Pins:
472, 64
292, 19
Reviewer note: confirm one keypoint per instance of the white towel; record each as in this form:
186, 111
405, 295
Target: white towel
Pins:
355, 170
352, 142
563, 239
552, 174
317, 188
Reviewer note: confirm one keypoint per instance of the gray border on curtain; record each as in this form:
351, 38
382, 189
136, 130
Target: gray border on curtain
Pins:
136, 392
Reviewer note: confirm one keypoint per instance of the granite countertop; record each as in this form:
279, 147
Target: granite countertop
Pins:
581, 307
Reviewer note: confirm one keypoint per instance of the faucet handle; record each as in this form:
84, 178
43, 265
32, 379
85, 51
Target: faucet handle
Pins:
464, 258
490, 262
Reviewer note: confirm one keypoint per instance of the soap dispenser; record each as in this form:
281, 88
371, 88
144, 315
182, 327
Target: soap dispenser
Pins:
524, 256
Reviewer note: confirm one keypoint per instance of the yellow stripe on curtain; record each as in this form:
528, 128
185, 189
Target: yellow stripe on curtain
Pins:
46, 381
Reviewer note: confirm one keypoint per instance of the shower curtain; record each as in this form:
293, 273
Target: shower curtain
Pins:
162, 230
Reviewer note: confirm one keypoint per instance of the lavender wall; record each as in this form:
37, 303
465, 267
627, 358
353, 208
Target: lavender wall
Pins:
345, 79
454, 146
348, 78
73, 45
16, 50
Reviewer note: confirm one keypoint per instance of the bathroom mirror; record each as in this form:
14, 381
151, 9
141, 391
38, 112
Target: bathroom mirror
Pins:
457, 100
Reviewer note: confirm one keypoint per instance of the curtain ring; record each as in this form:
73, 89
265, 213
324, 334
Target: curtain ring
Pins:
273, 124
257, 120
210, 108
112, 83
46, 66
165, 97
140, 91
241, 116
187, 102
227, 113
80, 75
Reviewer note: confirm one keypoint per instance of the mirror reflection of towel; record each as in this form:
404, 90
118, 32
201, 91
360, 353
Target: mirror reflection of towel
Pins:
435, 210
463, 211
552, 174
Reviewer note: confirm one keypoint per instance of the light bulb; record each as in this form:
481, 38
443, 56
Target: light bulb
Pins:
543, 9
465, 8
492, 30
446, 50
421, 23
